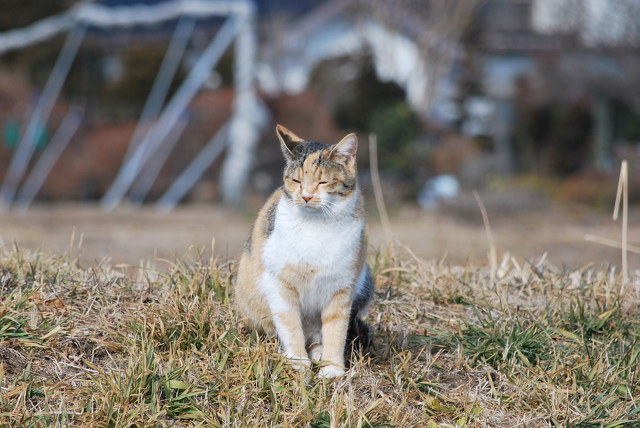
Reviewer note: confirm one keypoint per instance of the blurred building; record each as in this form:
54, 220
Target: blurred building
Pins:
554, 82
547, 86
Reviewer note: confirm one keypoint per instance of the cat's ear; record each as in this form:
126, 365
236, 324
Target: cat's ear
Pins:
288, 140
347, 147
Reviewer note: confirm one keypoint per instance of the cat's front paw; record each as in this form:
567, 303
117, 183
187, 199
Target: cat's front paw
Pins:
330, 372
297, 362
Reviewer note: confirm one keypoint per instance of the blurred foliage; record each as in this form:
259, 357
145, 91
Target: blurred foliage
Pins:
381, 108
397, 129
629, 124
366, 95
553, 138
224, 68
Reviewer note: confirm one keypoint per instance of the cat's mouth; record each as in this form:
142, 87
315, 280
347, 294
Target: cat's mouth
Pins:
310, 206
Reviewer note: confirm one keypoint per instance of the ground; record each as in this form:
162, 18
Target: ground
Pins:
129, 321
455, 234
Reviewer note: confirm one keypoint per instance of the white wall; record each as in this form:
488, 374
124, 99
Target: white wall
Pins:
597, 22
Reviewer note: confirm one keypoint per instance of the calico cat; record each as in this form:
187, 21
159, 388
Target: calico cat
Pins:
302, 275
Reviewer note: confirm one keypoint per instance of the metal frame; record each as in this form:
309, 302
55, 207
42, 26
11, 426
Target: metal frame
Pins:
248, 114
155, 163
151, 109
47, 160
27, 145
153, 139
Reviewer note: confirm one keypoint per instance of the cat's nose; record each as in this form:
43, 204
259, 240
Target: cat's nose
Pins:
307, 198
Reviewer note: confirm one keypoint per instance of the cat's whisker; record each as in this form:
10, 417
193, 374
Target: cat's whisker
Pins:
328, 212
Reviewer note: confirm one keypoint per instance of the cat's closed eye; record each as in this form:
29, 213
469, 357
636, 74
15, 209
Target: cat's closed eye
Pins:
322, 182
295, 181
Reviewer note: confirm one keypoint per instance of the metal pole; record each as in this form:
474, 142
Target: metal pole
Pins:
152, 107
194, 171
175, 107
132, 14
161, 85
249, 116
43, 167
41, 113
149, 174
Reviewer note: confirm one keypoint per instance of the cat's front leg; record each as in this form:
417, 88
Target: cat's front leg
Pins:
289, 326
284, 304
335, 322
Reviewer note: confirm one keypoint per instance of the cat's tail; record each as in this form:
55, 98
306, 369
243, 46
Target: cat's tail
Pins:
359, 338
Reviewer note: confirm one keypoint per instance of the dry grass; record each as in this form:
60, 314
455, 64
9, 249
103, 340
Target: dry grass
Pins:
536, 346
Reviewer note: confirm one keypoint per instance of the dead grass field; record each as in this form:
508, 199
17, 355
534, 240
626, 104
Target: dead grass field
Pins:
532, 346
128, 322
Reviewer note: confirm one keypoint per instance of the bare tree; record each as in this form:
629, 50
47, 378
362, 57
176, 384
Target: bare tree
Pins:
436, 27
413, 43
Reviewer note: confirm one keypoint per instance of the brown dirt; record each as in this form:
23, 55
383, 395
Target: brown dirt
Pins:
133, 236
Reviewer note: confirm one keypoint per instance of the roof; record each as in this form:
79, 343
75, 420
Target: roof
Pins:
264, 7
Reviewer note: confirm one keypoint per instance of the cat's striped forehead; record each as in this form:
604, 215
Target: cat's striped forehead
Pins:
309, 151
311, 156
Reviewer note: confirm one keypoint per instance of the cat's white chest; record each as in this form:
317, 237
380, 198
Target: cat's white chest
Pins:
297, 239
327, 250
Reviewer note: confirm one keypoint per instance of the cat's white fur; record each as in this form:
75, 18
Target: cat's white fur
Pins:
304, 234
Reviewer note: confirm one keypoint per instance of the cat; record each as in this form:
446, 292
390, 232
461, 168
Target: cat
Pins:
302, 275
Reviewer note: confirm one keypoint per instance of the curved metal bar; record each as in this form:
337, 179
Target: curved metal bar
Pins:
24, 151
47, 160
152, 107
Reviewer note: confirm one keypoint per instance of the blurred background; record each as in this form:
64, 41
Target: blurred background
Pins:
113, 111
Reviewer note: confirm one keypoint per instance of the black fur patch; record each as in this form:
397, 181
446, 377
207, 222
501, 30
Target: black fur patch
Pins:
359, 334
270, 219
301, 151
362, 299
359, 338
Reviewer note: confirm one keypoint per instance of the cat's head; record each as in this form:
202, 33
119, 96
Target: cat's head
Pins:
318, 177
